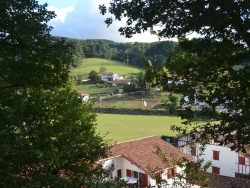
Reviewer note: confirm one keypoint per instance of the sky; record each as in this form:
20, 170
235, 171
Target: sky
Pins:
81, 19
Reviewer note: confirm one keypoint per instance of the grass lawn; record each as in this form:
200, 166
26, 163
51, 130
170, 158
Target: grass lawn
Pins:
127, 127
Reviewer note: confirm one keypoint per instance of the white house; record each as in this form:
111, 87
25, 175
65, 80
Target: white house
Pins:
224, 161
134, 161
84, 95
111, 76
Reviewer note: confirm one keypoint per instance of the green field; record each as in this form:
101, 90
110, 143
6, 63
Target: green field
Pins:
89, 64
127, 127
95, 91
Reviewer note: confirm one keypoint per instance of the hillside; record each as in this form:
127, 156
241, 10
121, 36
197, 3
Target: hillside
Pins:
89, 64
130, 53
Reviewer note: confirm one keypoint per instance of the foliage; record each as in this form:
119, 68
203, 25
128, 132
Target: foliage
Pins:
47, 135
127, 53
27, 50
222, 42
48, 138
129, 88
102, 70
172, 102
139, 80
93, 75
102, 84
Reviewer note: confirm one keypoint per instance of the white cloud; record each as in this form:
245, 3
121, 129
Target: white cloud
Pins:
61, 13
81, 19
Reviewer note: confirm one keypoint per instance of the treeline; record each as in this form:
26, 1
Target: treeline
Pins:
130, 53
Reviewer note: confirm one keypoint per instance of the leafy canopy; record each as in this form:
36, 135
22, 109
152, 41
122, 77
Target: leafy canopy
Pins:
47, 135
207, 62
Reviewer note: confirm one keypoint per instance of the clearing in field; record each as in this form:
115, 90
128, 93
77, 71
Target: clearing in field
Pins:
128, 127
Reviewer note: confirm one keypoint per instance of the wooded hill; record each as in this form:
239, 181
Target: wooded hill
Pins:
136, 53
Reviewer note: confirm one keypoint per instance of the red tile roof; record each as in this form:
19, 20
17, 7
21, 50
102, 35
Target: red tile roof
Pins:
83, 93
218, 181
120, 82
141, 152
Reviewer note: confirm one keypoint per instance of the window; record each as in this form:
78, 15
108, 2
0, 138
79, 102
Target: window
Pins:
158, 177
119, 173
216, 155
193, 151
172, 172
134, 174
241, 160
215, 170
128, 173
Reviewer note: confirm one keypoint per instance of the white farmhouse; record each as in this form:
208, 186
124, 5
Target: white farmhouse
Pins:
134, 161
224, 161
110, 76
84, 96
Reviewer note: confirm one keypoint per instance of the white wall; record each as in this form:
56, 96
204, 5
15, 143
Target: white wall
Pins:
123, 164
228, 160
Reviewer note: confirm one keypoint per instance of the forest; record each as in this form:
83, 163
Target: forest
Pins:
136, 53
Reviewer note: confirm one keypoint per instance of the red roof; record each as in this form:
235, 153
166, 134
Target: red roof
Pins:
141, 152
83, 93
217, 181
120, 82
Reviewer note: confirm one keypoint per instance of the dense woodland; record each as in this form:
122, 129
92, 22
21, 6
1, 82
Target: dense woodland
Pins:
130, 53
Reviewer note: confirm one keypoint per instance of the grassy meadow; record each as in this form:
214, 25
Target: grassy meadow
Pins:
127, 127
89, 64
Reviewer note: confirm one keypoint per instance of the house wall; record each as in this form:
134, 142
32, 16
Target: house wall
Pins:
105, 77
123, 164
228, 162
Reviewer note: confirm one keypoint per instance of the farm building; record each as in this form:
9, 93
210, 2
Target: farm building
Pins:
121, 82
224, 161
84, 95
135, 161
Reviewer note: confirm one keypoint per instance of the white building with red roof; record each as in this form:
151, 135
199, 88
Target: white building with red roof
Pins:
135, 161
84, 95
223, 160
109, 76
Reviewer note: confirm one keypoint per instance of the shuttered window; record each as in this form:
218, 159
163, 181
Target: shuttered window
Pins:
119, 173
216, 155
144, 180
215, 170
172, 172
158, 177
193, 151
241, 160
128, 173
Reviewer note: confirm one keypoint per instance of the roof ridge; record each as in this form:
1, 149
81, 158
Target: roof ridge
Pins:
137, 139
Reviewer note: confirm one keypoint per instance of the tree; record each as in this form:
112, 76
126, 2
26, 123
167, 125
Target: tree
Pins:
208, 61
27, 50
93, 75
102, 70
47, 135
48, 139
